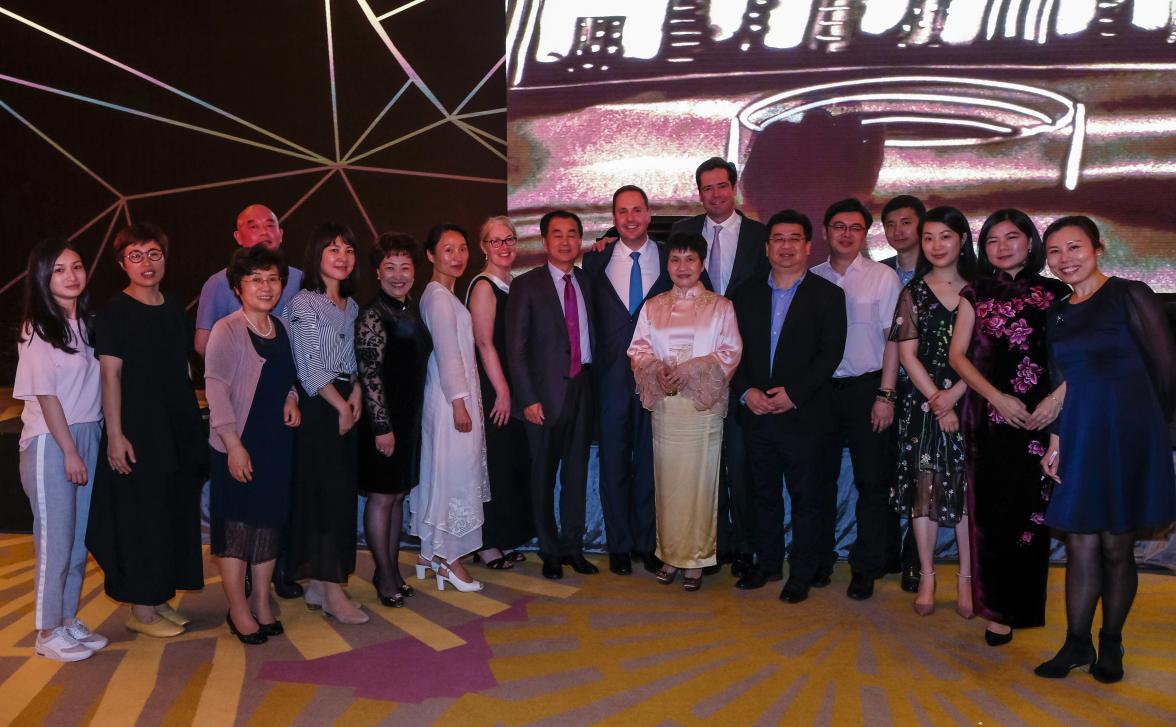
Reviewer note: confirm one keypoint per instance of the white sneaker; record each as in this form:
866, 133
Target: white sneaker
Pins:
60, 646
86, 637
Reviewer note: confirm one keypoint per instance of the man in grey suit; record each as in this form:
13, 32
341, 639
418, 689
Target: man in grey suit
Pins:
549, 328
735, 253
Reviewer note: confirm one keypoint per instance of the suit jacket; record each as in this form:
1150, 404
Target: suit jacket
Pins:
750, 258
613, 324
811, 343
537, 345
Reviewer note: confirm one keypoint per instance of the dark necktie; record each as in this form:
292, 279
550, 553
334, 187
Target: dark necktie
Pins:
572, 321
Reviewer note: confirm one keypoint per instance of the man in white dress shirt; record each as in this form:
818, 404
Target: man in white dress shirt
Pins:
863, 390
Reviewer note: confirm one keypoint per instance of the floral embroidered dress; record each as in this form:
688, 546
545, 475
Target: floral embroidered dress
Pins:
1007, 495
930, 480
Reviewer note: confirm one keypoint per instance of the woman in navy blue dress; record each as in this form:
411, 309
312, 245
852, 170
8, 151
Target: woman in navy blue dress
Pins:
1109, 451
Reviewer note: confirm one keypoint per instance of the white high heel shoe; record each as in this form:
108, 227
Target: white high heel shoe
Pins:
444, 574
424, 566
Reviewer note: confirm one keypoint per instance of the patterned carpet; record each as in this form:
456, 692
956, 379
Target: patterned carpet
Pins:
586, 650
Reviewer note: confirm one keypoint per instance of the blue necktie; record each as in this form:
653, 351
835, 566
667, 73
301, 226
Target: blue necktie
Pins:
635, 294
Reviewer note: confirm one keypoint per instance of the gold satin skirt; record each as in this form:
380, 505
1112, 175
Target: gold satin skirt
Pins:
687, 450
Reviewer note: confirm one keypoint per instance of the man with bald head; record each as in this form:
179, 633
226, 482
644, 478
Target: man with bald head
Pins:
256, 225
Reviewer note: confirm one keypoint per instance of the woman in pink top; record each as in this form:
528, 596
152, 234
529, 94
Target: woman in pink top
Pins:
57, 377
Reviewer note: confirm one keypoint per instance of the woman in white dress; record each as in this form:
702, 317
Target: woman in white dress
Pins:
446, 506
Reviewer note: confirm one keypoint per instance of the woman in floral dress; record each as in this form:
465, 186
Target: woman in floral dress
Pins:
999, 350
930, 485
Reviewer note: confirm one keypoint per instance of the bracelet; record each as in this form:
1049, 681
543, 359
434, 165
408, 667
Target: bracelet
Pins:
883, 400
888, 395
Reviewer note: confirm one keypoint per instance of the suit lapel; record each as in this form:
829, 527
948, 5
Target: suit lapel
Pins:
744, 264
557, 297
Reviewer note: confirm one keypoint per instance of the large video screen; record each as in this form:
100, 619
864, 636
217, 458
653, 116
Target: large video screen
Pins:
1052, 106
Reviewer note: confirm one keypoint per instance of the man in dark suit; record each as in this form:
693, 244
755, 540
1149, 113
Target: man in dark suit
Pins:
549, 329
793, 327
623, 276
735, 252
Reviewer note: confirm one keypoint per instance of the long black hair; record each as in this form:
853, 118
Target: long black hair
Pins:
957, 223
42, 316
1036, 259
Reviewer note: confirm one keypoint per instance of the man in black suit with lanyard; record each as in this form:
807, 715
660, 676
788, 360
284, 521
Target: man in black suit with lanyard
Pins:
624, 275
793, 328
549, 329
735, 252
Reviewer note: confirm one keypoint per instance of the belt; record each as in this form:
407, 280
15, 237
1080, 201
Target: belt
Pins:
841, 383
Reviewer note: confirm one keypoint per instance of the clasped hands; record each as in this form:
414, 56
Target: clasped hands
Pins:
773, 401
1018, 416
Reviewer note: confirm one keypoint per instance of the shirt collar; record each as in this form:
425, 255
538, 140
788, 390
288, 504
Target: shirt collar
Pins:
621, 250
557, 275
857, 264
772, 282
689, 294
726, 224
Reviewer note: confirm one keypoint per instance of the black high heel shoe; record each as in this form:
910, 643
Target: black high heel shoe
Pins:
396, 600
1109, 667
994, 639
1077, 651
253, 639
274, 628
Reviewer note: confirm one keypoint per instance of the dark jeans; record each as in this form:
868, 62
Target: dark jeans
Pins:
563, 441
796, 457
736, 533
626, 473
873, 458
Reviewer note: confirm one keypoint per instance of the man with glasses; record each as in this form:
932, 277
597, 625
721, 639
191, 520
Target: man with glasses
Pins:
624, 276
863, 389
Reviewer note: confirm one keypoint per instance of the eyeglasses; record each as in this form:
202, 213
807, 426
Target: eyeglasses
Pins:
796, 239
136, 257
842, 227
509, 241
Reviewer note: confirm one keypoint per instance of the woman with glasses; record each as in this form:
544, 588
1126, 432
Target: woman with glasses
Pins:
145, 514
508, 514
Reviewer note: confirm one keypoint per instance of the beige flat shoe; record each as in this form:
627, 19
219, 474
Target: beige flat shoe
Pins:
161, 628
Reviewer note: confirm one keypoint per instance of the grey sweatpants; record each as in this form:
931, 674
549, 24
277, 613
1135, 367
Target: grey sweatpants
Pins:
60, 510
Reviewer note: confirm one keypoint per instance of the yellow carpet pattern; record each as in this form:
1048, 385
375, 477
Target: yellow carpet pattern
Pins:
586, 650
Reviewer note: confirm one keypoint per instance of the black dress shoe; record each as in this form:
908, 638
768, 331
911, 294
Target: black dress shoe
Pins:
620, 563
710, 570
552, 569
253, 639
651, 563
756, 578
994, 639
861, 587
910, 578
289, 589
580, 564
821, 579
1077, 651
741, 565
794, 591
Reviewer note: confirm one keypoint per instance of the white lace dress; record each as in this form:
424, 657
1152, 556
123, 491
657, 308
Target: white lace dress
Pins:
446, 507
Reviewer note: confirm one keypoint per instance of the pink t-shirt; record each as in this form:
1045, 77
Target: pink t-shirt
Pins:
43, 370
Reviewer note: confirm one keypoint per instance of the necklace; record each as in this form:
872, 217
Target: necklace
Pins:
254, 328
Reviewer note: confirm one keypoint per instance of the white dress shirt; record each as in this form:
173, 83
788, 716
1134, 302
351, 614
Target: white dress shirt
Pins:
871, 294
557, 276
728, 244
620, 265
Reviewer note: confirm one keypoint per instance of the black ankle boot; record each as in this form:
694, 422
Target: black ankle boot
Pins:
1109, 667
1077, 651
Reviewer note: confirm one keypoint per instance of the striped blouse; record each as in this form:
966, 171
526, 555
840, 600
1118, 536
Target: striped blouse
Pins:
323, 338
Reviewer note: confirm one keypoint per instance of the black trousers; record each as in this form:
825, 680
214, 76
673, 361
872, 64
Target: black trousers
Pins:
873, 457
626, 473
796, 457
562, 442
736, 532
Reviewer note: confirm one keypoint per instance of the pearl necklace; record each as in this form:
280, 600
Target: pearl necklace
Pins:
253, 328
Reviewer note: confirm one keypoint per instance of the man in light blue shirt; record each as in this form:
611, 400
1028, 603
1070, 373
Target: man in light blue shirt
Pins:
256, 225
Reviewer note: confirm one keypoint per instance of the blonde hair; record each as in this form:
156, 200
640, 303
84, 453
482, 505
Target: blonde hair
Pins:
497, 219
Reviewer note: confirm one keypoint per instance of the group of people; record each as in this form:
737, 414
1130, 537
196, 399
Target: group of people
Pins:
709, 368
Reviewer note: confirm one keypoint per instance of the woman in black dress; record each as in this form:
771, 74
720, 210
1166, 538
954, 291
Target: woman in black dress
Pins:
392, 348
999, 349
252, 408
508, 513
144, 527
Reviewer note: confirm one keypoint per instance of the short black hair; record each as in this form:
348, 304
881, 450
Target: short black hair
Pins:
545, 222
394, 243
849, 205
312, 267
716, 163
687, 241
630, 188
792, 217
1036, 260
248, 260
437, 231
905, 201
957, 223
139, 233
1082, 222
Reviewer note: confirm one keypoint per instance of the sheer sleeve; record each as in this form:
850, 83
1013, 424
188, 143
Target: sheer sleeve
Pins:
905, 326
439, 311
1153, 334
371, 344
644, 361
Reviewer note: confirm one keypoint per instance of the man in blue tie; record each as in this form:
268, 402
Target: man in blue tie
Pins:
624, 276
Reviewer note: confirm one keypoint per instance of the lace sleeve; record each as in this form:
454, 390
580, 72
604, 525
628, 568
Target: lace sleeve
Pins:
905, 326
371, 343
1153, 334
706, 384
